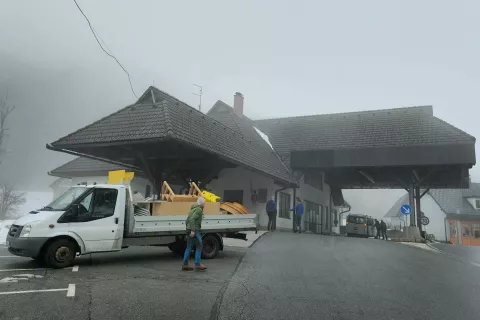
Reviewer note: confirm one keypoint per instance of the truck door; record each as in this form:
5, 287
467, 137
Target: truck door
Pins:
99, 220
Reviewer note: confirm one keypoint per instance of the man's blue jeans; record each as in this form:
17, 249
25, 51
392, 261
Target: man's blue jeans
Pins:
197, 241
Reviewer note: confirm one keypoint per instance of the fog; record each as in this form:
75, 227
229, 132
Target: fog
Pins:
287, 57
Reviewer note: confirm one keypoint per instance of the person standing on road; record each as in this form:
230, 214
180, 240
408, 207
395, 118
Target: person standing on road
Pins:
298, 211
383, 227
272, 214
378, 227
194, 226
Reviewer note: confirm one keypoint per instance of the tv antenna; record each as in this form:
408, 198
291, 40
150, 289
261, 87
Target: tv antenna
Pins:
199, 94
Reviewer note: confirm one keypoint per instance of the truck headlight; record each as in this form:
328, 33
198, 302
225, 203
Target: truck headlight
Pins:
27, 229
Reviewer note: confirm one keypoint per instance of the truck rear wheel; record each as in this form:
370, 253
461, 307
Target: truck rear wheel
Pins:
178, 247
60, 253
211, 246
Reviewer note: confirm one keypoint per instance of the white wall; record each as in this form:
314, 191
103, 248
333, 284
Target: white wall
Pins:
437, 218
433, 212
243, 179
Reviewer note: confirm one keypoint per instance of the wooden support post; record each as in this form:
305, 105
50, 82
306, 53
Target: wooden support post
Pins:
418, 197
148, 172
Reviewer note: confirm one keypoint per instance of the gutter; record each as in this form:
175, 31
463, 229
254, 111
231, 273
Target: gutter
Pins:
78, 154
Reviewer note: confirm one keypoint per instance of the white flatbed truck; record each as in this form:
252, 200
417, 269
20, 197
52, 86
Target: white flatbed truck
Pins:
102, 218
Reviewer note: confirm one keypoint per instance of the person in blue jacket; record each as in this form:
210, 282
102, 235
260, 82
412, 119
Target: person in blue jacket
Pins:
271, 209
298, 211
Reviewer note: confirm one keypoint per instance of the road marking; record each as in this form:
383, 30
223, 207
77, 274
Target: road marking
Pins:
32, 269
75, 268
9, 257
31, 291
71, 290
10, 270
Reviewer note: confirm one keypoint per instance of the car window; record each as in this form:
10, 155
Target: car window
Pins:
99, 204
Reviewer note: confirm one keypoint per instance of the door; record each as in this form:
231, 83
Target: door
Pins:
233, 196
99, 220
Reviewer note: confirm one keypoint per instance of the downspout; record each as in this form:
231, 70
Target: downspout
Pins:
341, 213
276, 201
330, 213
445, 225
293, 212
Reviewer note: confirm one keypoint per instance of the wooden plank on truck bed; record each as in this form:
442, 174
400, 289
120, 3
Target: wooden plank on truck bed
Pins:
182, 208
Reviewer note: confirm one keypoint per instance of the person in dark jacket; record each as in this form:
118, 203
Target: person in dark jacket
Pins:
378, 227
298, 211
383, 227
194, 226
272, 214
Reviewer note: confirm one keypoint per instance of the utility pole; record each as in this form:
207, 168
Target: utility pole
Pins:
199, 94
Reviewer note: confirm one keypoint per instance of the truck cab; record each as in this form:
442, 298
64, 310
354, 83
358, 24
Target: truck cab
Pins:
84, 219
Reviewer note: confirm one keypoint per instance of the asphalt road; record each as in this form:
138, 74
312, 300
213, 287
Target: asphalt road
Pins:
283, 276
292, 276
137, 283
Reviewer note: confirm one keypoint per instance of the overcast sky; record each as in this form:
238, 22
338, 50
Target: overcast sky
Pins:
287, 57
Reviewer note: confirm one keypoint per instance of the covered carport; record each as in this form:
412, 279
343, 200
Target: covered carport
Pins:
406, 148
167, 140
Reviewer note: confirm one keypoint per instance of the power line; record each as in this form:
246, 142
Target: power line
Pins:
101, 46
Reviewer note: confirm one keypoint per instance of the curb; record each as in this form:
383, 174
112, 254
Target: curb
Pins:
255, 241
454, 257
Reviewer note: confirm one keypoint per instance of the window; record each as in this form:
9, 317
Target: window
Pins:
477, 233
328, 218
98, 204
312, 217
477, 203
233, 196
61, 203
314, 179
262, 195
356, 219
284, 207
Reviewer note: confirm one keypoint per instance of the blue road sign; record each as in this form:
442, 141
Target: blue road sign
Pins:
406, 209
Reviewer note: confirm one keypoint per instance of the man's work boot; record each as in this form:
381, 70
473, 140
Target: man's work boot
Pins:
186, 267
201, 267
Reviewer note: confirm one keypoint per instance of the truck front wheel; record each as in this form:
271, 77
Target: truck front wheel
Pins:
211, 246
60, 253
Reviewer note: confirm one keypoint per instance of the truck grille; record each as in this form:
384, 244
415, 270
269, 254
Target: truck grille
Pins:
15, 231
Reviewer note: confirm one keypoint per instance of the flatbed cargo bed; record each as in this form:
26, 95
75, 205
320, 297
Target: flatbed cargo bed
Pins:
175, 225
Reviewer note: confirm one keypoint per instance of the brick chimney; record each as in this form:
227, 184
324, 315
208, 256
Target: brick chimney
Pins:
238, 104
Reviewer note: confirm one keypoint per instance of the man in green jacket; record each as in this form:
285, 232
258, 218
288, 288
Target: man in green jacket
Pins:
194, 225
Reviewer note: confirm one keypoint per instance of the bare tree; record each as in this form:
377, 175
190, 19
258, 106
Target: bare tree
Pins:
10, 200
5, 111
10, 197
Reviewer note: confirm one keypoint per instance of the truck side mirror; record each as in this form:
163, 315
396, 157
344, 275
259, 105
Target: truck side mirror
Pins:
75, 209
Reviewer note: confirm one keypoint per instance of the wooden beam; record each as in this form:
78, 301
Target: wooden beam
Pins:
147, 171
367, 176
424, 193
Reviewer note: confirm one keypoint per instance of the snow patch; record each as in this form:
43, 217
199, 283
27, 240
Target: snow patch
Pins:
264, 137
4, 227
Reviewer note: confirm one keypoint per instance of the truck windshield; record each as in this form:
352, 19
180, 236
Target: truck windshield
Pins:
62, 202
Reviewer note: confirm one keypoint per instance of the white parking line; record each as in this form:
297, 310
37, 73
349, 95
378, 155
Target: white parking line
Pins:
9, 257
75, 268
33, 269
30, 291
10, 270
71, 290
